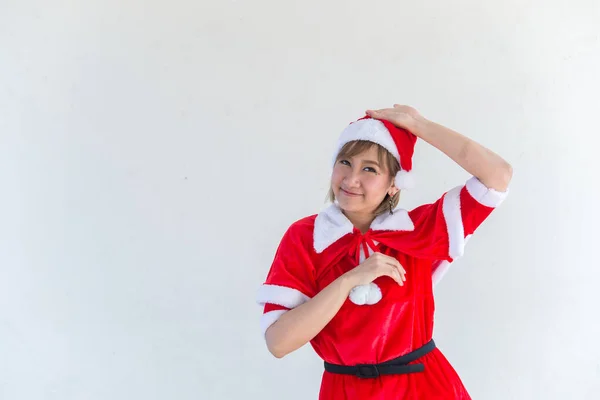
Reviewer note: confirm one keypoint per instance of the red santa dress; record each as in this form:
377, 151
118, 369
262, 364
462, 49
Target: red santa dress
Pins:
387, 320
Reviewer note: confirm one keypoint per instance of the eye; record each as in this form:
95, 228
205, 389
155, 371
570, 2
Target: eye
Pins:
344, 162
370, 169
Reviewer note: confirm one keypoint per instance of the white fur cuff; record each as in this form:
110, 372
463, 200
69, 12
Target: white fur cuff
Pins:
485, 196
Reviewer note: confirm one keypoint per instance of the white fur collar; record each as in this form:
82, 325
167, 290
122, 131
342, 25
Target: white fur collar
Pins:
331, 225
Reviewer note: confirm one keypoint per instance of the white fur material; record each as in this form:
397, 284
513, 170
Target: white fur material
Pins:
371, 130
365, 294
454, 224
269, 318
405, 180
398, 221
375, 131
280, 295
485, 196
331, 225
440, 268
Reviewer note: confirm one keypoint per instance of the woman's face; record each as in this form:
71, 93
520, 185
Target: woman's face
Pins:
360, 183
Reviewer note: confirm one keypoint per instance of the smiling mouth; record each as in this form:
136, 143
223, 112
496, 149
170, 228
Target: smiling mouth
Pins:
350, 193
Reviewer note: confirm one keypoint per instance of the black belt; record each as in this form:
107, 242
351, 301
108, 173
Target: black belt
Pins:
392, 367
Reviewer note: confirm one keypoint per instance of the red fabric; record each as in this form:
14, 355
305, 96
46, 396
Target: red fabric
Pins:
293, 266
404, 140
399, 323
473, 213
273, 307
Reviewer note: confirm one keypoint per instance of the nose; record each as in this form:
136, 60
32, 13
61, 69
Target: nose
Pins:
352, 178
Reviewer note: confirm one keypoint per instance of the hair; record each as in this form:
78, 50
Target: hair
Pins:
386, 160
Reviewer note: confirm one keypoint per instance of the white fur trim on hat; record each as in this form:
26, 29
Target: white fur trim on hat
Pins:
365, 294
371, 130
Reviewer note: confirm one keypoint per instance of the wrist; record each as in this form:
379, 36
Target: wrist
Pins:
347, 282
420, 126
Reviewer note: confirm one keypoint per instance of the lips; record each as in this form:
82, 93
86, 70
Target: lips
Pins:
350, 194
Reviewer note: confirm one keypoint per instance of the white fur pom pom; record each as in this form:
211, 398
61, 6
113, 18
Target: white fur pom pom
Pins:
365, 294
405, 180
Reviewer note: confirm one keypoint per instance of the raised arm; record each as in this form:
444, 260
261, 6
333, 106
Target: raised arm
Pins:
491, 169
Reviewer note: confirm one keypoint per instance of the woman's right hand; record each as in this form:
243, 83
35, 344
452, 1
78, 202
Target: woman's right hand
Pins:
301, 324
377, 265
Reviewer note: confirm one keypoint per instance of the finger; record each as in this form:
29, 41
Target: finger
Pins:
394, 274
402, 274
397, 105
398, 277
401, 271
401, 267
378, 113
395, 263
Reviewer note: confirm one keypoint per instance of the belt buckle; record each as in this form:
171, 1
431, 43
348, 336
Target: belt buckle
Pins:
367, 371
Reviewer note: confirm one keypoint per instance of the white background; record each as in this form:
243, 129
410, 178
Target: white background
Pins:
153, 153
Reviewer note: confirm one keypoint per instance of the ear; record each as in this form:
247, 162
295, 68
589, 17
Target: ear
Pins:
393, 190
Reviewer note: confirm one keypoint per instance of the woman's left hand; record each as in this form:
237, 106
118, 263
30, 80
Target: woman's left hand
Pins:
405, 117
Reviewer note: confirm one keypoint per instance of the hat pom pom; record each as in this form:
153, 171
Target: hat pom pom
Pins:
404, 180
365, 294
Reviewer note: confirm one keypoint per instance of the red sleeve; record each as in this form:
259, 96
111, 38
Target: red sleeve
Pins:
443, 228
291, 279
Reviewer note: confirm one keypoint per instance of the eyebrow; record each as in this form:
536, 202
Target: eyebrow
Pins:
371, 162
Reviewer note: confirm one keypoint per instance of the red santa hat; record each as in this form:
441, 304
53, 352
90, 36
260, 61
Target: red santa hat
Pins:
399, 142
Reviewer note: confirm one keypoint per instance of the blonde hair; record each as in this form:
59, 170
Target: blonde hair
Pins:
385, 158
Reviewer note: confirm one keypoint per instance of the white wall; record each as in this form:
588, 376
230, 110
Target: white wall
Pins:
153, 153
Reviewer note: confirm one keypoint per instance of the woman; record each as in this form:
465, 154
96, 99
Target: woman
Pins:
356, 280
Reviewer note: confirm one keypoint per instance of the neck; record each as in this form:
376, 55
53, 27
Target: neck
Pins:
360, 220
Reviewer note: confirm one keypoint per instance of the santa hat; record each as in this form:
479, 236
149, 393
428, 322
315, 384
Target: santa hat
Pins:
399, 142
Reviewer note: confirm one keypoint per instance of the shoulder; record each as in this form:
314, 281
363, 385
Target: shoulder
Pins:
423, 210
304, 223
301, 232
303, 226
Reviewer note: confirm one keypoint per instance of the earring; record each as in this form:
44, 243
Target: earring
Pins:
391, 204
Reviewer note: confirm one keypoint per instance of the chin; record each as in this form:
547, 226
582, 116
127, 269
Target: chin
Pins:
349, 205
